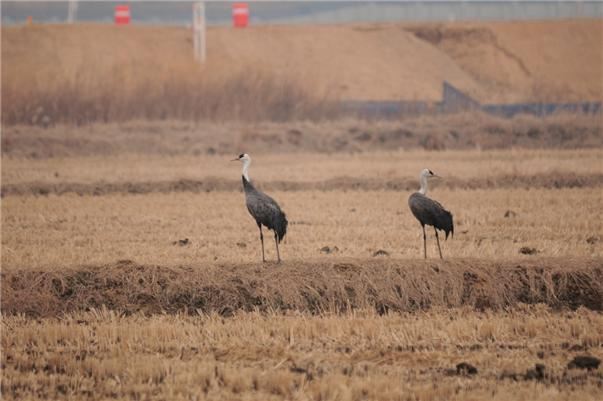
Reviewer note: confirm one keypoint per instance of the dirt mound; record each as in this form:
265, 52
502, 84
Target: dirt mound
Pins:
52, 73
544, 180
316, 287
346, 62
525, 61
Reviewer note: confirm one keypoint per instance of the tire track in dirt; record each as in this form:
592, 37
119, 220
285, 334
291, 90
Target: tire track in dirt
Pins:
545, 180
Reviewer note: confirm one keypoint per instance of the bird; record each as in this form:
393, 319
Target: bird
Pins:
263, 208
430, 212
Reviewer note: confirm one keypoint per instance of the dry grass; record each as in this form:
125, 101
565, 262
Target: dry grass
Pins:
476, 169
60, 254
101, 74
311, 286
552, 180
70, 230
58, 231
470, 131
359, 356
249, 97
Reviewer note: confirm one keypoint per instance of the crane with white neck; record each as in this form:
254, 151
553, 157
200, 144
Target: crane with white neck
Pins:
263, 208
430, 212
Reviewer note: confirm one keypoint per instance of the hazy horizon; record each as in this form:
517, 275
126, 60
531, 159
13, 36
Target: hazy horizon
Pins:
219, 13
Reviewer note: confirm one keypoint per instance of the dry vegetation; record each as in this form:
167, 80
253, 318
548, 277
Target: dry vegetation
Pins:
56, 231
130, 265
360, 356
470, 131
135, 221
314, 286
101, 299
101, 74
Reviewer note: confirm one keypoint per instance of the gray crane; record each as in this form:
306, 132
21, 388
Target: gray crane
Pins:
263, 208
429, 212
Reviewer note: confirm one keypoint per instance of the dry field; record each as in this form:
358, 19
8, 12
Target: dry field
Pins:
55, 231
355, 204
359, 356
132, 272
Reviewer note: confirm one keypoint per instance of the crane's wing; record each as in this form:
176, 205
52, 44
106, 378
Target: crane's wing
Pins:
430, 212
266, 211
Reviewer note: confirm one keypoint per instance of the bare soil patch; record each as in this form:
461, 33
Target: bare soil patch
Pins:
310, 286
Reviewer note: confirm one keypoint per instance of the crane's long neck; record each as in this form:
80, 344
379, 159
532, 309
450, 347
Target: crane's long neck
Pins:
246, 164
423, 180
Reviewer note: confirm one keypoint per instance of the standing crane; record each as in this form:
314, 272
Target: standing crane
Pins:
429, 212
263, 208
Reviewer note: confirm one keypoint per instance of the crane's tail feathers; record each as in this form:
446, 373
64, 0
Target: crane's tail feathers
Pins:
281, 227
448, 225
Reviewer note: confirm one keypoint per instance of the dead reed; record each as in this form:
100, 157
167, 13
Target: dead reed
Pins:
248, 97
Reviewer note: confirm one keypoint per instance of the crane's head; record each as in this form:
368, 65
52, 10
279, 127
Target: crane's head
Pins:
242, 157
427, 173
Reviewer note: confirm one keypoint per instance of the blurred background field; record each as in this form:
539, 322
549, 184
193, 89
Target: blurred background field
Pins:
96, 73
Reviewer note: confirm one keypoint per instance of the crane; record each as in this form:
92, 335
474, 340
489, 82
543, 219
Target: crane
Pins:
430, 212
263, 208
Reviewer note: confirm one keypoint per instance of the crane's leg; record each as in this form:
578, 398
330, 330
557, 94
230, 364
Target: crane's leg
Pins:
262, 240
438, 239
278, 255
424, 242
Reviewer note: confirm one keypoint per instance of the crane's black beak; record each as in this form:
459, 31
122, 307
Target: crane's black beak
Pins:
234, 160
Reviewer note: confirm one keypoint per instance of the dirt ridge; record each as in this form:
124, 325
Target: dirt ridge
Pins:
321, 286
543, 180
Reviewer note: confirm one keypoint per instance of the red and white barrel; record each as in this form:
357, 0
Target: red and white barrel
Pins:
122, 14
240, 15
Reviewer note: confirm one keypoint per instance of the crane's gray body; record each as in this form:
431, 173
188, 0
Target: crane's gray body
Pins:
431, 213
265, 210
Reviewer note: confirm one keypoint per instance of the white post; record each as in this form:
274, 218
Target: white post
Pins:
71, 11
199, 31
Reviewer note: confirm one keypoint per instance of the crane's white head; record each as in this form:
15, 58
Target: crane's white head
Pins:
423, 177
246, 160
427, 173
242, 157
